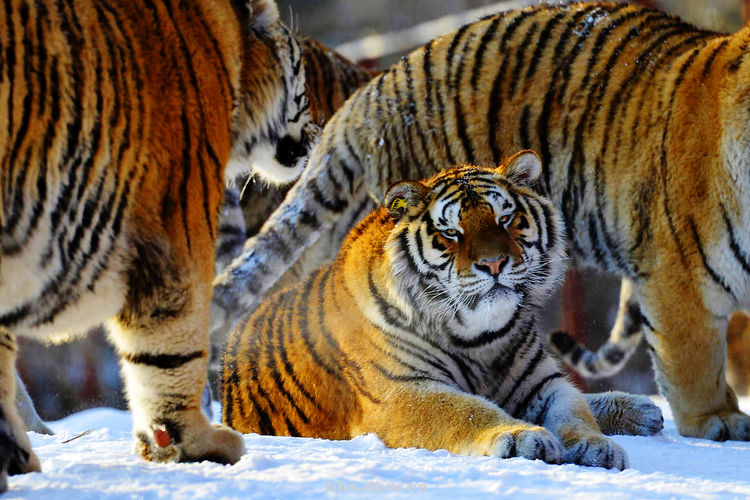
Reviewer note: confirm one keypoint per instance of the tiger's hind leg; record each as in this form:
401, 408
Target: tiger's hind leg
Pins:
628, 414
689, 355
16, 456
162, 339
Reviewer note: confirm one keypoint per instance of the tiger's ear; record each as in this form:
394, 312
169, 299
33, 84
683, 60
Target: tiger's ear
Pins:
263, 13
523, 167
404, 195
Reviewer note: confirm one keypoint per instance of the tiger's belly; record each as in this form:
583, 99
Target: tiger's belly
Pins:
60, 283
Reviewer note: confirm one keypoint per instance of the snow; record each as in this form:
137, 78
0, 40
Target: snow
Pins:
100, 464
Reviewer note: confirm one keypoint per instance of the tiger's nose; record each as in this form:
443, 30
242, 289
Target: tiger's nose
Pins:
493, 266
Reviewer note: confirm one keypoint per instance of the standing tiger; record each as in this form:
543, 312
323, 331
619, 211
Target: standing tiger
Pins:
642, 122
423, 331
329, 80
117, 121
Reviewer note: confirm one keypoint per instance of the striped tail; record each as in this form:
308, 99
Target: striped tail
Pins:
612, 356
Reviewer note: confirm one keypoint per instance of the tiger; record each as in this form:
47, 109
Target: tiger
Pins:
423, 330
640, 120
118, 121
330, 79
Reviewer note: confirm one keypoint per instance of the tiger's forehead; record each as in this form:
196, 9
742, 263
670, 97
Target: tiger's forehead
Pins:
456, 195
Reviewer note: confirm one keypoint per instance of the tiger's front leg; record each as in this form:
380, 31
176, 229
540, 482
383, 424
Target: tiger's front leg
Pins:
162, 340
689, 353
564, 411
435, 416
16, 456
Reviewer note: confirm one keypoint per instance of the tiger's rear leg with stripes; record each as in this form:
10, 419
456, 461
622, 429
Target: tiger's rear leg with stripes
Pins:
623, 340
163, 347
688, 348
466, 424
16, 455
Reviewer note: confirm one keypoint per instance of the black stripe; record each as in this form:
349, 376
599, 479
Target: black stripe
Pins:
488, 337
543, 126
390, 314
711, 272
542, 415
664, 170
162, 361
712, 57
273, 345
397, 377
737, 251
528, 371
520, 410
335, 205
520, 58
495, 102
482, 47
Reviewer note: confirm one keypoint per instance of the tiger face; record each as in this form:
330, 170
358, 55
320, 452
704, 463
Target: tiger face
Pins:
472, 241
277, 148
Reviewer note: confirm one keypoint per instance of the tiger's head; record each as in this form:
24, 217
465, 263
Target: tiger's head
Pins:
475, 242
274, 129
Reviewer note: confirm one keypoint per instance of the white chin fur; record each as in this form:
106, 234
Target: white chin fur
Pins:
262, 161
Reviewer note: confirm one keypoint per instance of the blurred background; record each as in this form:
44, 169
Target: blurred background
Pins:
71, 377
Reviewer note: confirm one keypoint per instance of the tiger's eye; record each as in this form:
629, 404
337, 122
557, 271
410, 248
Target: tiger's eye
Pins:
450, 233
505, 219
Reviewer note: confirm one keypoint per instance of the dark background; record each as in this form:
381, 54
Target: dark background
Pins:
82, 374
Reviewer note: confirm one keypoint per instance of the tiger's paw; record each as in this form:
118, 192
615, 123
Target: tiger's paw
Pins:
16, 455
531, 443
596, 450
175, 443
723, 426
628, 414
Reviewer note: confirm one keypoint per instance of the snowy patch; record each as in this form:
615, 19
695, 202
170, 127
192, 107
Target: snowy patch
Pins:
100, 464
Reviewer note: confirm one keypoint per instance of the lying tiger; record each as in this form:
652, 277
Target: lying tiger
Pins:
423, 331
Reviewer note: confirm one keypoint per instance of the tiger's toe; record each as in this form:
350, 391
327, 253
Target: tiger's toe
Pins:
194, 440
533, 443
724, 426
597, 451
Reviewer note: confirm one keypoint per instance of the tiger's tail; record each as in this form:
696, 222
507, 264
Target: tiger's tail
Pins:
612, 356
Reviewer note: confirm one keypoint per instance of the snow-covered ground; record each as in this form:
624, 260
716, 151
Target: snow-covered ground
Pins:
100, 464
